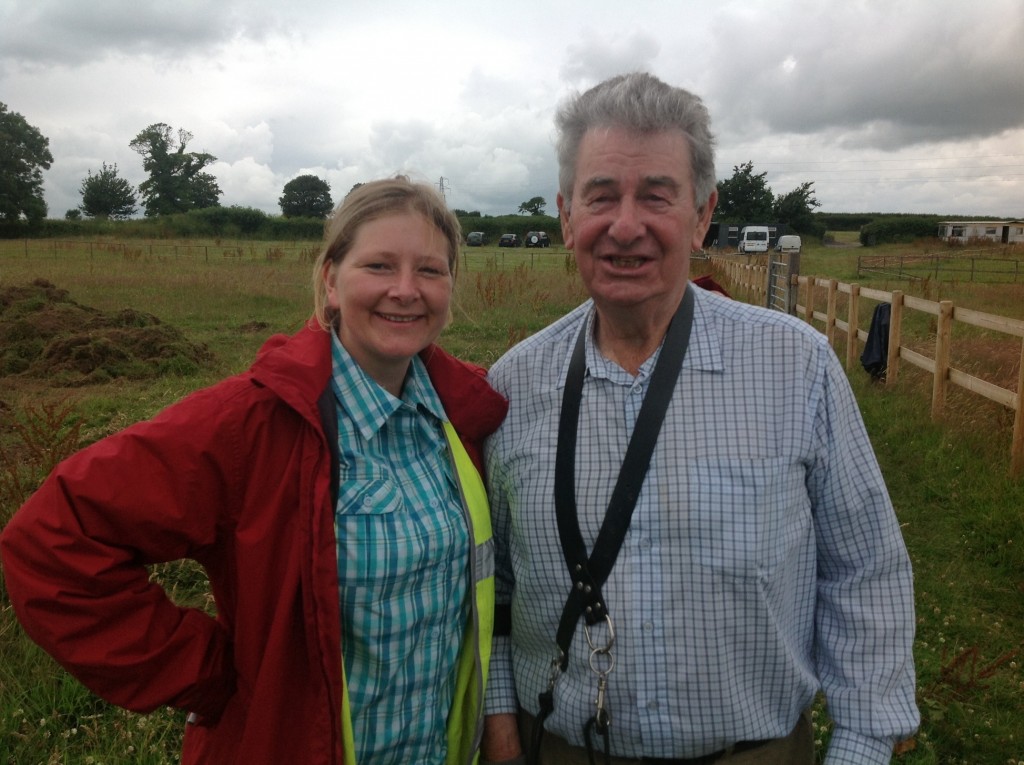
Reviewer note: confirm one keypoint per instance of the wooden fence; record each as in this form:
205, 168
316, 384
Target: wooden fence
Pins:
752, 276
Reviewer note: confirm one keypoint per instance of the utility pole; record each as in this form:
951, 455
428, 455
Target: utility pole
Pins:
443, 184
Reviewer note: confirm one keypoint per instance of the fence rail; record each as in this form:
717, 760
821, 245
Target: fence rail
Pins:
942, 268
753, 277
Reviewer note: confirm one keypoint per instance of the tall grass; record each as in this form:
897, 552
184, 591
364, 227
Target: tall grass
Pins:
963, 520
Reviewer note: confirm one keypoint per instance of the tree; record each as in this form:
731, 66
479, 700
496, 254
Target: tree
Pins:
745, 197
796, 209
533, 206
24, 154
306, 197
107, 195
204, 192
176, 180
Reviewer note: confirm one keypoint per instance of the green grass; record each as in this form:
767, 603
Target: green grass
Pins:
963, 520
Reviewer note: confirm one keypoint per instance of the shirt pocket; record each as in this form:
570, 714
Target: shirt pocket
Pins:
744, 517
369, 497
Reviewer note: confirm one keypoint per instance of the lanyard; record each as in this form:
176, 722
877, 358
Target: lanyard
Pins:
588, 573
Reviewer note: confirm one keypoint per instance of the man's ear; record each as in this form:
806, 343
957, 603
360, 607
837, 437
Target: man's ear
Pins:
563, 218
704, 216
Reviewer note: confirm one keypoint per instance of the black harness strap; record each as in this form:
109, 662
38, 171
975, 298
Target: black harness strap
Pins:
588, 573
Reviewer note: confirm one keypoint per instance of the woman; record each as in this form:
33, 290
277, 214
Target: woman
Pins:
340, 518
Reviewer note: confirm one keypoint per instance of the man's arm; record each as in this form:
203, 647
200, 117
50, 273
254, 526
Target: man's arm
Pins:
501, 739
501, 735
865, 603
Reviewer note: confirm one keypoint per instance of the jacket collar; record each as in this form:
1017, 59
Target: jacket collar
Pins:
297, 369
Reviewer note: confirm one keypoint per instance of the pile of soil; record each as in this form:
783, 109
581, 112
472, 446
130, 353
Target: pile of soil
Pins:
46, 335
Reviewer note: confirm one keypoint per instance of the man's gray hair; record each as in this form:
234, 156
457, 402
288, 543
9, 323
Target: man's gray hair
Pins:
641, 103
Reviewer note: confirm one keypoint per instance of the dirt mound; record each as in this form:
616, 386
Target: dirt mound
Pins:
46, 335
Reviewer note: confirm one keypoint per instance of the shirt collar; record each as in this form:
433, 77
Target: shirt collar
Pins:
368, 403
703, 353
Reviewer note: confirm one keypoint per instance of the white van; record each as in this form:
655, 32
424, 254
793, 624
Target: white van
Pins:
753, 239
788, 243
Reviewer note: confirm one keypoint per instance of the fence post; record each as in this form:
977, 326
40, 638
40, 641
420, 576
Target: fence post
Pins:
892, 362
830, 320
943, 337
1017, 444
809, 301
853, 320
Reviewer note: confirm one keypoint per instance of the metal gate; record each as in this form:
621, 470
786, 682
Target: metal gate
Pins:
783, 270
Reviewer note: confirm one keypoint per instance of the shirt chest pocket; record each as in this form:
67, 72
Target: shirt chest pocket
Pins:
745, 517
369, 497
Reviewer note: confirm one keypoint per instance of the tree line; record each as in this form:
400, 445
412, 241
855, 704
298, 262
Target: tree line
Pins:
178, 181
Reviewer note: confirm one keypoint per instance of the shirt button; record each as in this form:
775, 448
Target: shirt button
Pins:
652, 705
636, 389
645, 544
648, 626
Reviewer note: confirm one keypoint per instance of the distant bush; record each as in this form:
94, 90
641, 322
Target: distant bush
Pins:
894, 229
844, 221
212, 222
494, 226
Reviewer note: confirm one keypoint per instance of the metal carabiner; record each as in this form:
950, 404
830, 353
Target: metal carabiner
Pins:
611, 636
601, 653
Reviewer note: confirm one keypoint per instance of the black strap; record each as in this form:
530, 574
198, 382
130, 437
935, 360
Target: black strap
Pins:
589, 573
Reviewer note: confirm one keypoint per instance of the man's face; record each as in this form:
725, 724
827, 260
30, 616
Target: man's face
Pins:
632, 222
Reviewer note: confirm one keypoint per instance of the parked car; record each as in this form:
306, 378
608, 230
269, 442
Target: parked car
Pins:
476, 239
789, 243
537, 239
509, 240
754, 239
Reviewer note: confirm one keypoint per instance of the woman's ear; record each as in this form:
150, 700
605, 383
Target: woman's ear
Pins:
327, 274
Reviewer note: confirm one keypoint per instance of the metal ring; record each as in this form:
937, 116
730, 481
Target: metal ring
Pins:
608, 656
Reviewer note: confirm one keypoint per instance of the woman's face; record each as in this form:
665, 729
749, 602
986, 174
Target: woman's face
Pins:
392, 291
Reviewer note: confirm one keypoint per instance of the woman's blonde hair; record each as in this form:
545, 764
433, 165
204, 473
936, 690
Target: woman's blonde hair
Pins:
368, 202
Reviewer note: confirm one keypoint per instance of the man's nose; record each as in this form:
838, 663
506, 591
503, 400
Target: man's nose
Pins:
628, 224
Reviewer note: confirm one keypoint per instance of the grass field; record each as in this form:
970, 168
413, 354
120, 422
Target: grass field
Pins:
962, 518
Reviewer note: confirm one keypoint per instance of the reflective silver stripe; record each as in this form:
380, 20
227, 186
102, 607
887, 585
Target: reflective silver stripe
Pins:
484, 565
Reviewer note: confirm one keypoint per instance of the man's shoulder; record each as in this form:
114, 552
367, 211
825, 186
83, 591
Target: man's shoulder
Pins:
726, 312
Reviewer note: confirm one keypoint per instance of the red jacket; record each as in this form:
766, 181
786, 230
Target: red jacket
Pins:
238, 477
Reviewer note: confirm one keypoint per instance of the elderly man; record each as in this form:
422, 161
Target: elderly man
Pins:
694, 536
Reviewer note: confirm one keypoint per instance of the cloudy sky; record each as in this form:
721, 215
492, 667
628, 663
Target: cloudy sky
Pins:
886, 105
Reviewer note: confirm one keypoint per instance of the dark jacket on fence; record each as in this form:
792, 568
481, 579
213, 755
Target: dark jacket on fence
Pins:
875, 357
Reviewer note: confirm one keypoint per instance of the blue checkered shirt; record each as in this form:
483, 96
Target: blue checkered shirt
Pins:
403, 547
764, 560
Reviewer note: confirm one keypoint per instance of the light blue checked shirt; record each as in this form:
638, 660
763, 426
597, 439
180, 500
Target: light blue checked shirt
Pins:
403, 547
763, 560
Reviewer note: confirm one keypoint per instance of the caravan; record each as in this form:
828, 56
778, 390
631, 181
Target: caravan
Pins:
753, 239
